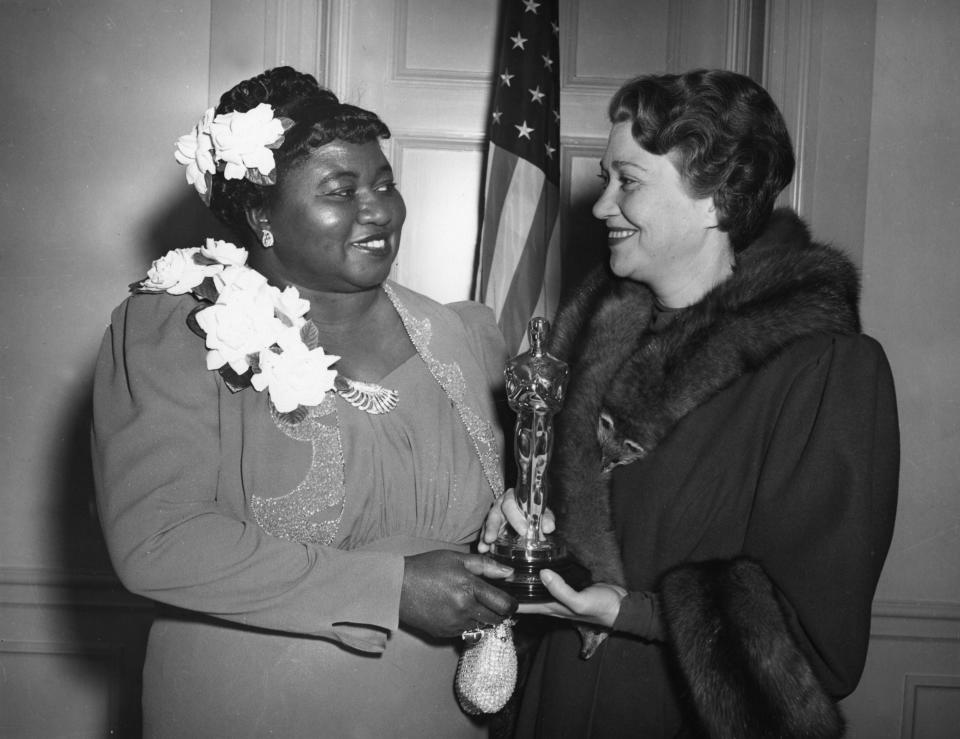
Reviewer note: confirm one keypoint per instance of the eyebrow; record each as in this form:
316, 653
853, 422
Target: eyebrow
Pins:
336, 175
620, 164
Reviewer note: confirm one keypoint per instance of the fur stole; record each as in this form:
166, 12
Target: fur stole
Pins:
749, 679
629, 387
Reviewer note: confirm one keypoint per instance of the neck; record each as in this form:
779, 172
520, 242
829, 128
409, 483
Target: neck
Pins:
331, 309
342, 312
688, 284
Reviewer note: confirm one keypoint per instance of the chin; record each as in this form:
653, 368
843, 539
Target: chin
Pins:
373, 278
619, 268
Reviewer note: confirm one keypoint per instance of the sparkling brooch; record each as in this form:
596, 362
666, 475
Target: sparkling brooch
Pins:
366, 396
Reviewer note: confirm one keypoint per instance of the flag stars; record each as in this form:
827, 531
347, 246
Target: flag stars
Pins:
556, 116
550, 150
555, 26
547, 61
523, 131
531, 6
518, 41
506, 77
536, 96
497, 114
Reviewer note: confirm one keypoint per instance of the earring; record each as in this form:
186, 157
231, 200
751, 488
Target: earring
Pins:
266, 238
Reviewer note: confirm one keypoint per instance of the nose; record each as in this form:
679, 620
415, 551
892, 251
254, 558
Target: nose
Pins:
606, 205
375, 209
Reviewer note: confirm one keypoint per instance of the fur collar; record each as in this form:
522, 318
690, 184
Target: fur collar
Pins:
629, 387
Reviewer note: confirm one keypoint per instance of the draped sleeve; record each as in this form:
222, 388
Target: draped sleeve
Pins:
165, 433
824, 512
771, 635
780, 626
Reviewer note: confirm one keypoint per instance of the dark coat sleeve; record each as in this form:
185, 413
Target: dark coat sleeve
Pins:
825, 507
767, 641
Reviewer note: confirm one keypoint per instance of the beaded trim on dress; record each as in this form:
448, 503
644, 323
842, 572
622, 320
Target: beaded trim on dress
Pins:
450, 378
312, 511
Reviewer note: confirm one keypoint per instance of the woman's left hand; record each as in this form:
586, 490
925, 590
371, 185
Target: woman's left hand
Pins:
505, 512
595, 604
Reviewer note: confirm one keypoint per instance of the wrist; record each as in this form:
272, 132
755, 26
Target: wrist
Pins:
639, 615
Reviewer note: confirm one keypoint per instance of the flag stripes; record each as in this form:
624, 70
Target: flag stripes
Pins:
519, 241
530, 235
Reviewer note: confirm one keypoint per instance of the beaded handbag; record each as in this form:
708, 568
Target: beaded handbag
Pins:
487, 671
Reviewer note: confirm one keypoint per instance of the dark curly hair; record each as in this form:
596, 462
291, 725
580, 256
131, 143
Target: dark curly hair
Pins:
725, 134
318, 117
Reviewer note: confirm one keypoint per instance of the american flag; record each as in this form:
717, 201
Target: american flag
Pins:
518, 272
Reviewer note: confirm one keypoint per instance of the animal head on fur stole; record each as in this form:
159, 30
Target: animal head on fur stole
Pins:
632, 417
615, 448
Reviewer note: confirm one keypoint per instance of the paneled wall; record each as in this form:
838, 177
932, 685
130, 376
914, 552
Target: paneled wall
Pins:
97, 92
910, 303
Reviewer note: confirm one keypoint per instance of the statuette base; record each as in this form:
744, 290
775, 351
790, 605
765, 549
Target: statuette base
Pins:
527, 559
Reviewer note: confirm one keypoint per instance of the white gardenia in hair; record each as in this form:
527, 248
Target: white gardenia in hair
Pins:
195, 151
239, 144
259, 332
241, 140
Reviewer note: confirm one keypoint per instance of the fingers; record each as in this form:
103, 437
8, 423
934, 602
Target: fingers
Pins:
511, 510
487, 567
548, 523
495, 523
506, 510
492, 598
487, 617
493, 526
596, 604
561, 592
443, 592
547, 608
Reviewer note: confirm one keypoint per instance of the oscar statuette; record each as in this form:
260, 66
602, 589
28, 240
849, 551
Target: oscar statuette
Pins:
536, 382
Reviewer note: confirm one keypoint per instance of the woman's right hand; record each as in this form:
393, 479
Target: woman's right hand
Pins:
506, 511
444, 593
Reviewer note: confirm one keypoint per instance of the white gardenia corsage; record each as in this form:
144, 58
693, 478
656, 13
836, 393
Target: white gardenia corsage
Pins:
238, 144
255, 333
177, 272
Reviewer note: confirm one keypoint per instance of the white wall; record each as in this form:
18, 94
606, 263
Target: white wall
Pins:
94, 94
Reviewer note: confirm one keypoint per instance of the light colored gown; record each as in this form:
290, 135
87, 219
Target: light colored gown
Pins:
289, 540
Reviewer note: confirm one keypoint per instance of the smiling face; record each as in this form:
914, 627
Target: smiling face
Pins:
336, 220
657, 233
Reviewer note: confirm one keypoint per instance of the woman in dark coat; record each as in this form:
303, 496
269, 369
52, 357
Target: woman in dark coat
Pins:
726, 462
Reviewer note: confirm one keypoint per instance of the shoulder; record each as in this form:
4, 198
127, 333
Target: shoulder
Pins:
150, 352
475, 318
483, 332
474, 314
152, 331
839, 352
155, 316
830, 375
